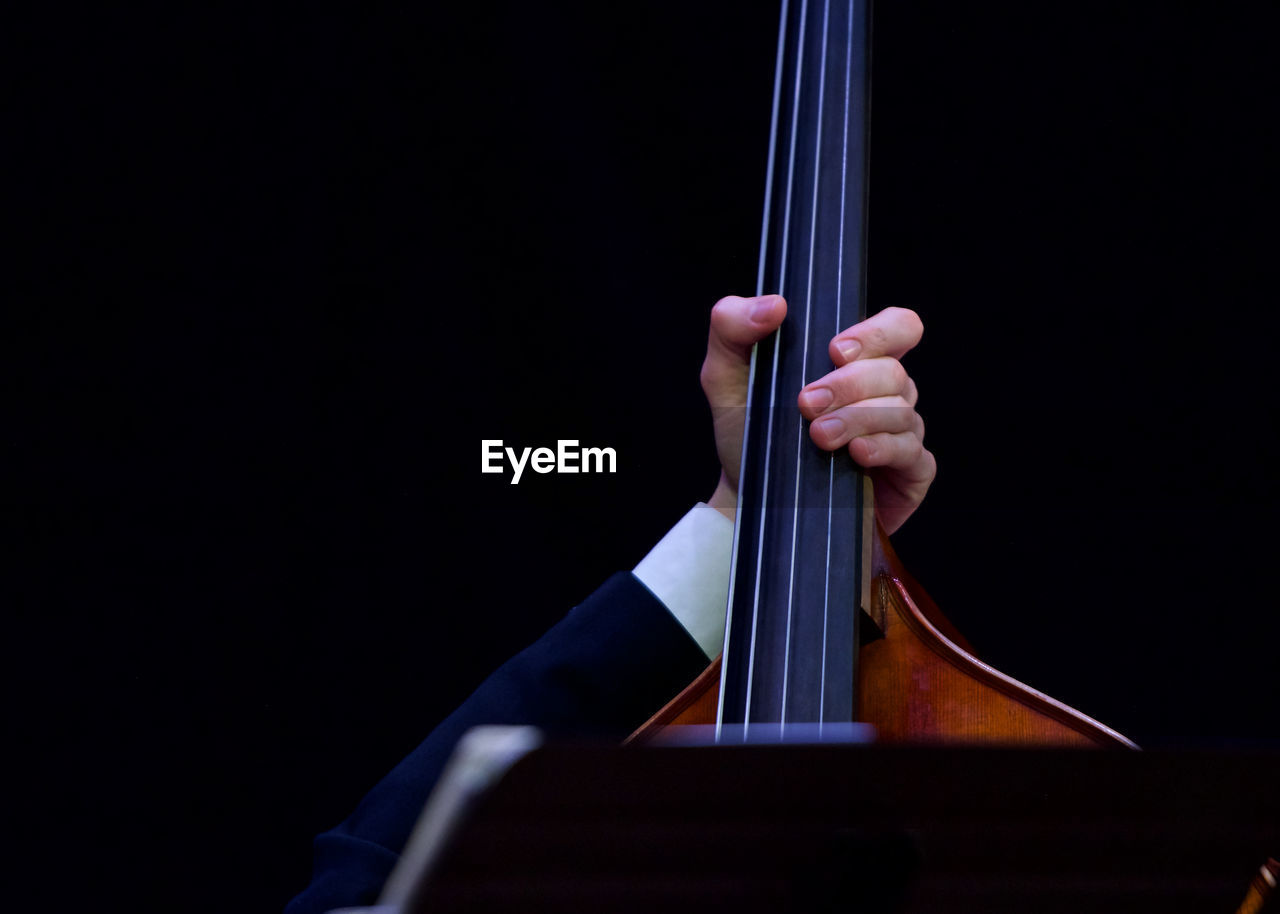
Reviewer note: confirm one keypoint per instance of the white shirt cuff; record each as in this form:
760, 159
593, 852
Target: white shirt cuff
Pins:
688, 570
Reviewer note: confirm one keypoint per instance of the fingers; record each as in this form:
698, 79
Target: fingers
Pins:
869, 395
737, 324
899, 489
867, 405
864, 379
878, 416
886, 437
893, 332
900, 450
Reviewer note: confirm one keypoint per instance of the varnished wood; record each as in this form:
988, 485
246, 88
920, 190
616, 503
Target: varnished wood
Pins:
921, 683
1262, 895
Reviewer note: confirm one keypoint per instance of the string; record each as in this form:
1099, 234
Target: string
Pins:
831, 462
804, 351
773, 384
751, 376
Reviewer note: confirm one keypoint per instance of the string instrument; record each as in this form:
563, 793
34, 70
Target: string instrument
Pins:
1261, 896
824, 625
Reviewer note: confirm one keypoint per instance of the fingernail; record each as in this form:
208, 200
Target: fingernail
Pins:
818, 398
871, 450
849, 349
830, 427
762, 308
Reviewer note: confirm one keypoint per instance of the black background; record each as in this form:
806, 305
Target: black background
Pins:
280, 271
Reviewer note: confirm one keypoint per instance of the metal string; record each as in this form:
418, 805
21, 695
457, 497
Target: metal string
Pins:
751, 377
804, 350
773, 388
831, 462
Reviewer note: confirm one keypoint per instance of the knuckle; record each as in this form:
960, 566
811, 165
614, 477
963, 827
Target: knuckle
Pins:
855, 383
707, 375
723, 309
873, 448
912, 448
898, 376
927, 469
877, 339
912, 394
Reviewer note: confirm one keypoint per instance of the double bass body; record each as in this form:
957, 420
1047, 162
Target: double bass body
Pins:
919, 682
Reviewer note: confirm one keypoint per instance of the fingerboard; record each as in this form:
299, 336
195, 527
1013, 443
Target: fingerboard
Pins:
790, 637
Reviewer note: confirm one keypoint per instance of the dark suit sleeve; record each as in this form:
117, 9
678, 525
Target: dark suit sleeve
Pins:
605, 668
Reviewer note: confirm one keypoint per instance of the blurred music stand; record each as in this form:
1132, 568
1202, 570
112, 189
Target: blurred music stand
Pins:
578, 828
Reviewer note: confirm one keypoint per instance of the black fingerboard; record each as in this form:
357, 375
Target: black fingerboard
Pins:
790, 639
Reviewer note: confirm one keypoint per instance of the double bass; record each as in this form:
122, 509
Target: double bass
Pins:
824, 625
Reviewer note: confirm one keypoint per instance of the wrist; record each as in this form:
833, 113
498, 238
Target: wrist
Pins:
725, 498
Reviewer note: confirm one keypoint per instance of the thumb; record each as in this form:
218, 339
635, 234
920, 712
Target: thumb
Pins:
737, 324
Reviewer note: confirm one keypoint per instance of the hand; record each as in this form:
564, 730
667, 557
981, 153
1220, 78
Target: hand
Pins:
867, 404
